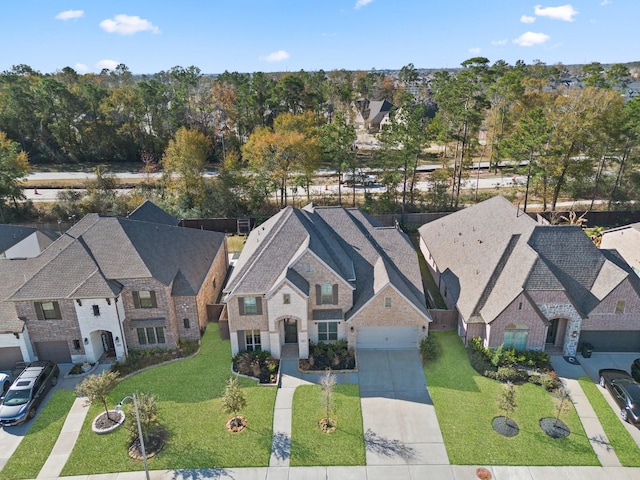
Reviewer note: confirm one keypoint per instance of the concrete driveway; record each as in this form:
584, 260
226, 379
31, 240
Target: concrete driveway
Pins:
399, 419
619, 360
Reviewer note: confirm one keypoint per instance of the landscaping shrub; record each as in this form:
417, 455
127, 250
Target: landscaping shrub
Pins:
138, 359
430, 349
500, 363
336, 356
507, 374
547, 379
258, 364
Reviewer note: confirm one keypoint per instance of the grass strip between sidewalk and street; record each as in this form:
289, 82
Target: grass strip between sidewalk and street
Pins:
309, 445
622, 443
35, 447
466, 403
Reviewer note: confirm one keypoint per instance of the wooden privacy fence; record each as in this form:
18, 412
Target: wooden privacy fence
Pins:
443, 320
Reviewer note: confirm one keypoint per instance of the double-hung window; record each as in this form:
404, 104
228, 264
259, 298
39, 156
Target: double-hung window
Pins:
252, 340
150, 335
327, 331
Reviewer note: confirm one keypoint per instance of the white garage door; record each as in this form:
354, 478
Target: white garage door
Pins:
392, 338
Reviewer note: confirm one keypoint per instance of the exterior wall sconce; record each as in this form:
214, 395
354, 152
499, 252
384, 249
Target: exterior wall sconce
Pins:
118, 340
86, 341
574, 334
351, 329
424, 328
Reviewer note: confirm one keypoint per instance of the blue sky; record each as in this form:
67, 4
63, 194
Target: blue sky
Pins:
288, 35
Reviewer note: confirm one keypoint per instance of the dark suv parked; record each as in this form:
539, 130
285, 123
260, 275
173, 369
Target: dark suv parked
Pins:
22, 399
635, 370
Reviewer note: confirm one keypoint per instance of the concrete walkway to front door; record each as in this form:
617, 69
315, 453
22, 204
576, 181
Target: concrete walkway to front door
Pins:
398, 415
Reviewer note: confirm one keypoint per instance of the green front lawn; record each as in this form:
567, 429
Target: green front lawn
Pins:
188, 394
309, 445
625, 447
35, 447
466, 402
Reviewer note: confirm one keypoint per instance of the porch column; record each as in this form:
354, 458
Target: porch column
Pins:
303, 344
275, 348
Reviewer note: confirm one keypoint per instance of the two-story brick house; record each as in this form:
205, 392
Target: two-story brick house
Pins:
113, 284
531, 286
323, 274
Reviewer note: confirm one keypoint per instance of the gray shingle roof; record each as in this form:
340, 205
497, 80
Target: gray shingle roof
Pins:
345, 239
150, 212
489, 253
94, 254
10, 235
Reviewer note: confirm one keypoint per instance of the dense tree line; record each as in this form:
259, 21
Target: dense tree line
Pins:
266, 133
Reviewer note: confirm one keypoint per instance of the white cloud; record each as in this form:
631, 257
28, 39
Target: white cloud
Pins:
127, 25
110, 64
497, 43
606, 2
529, 39
69, 14
278, 56
527, 19
80, 67
475, 50
362, 3
563, 12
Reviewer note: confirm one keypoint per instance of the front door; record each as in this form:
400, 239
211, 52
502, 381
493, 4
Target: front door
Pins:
290, 331
552, 332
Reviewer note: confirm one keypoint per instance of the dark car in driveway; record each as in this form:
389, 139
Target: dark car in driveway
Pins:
635, 370
21, 401
625, 392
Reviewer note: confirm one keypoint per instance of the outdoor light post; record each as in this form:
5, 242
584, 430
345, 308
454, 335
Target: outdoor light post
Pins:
135, 407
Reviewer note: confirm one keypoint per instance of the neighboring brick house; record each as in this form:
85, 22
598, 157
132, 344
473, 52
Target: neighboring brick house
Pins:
323, 274
626, 240
112, 284
530, 286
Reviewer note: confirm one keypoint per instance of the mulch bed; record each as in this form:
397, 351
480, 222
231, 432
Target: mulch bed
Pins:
105, 424
152, 447
327, 425
554, 428
236, 424
505, 426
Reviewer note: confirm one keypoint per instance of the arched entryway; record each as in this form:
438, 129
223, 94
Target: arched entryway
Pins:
556, 332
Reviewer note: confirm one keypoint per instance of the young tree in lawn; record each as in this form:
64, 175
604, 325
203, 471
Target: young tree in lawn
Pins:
233, 400
97, 387
507, 401
327, 388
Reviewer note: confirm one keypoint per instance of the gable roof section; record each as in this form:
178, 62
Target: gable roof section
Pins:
468, 246
72, 270
150, 212
11, 235
380, 256
573, 260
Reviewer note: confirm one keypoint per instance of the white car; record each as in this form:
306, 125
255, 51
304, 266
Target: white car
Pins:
5, 383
